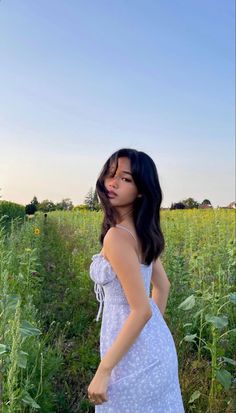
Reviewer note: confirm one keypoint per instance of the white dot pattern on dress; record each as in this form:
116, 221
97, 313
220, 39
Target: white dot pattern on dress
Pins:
146, 379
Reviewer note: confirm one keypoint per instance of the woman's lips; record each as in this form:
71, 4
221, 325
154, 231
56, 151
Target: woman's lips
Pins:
111, 195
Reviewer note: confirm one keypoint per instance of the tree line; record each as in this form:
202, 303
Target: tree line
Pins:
91, 202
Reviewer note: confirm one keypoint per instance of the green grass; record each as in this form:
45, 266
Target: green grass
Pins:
49, 272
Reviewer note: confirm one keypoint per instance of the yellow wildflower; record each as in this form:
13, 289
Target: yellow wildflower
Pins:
37, 231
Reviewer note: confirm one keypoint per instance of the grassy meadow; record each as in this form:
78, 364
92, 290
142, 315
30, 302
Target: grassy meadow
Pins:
49, 339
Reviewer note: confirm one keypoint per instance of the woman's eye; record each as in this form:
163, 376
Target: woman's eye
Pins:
111, 175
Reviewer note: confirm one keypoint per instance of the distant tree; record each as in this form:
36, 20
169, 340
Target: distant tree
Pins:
30, 209
190, 203
177, 205
96, 204
91, 200
65, 205
206, 202
46, 206
35, 202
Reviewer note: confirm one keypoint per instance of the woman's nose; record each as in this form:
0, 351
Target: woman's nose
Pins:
113, 179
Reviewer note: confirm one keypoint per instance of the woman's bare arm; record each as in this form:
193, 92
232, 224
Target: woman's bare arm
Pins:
161, 285
123, 258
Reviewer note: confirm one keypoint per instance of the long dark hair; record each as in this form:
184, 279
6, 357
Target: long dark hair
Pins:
146, 211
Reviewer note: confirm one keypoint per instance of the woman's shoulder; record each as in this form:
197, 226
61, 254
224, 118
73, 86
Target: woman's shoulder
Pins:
113, 234
115, 237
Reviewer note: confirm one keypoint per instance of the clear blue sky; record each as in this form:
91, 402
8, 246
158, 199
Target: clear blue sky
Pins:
81, 79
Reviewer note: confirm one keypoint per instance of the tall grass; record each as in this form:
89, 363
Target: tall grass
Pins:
202, 244
49, 341
23, 351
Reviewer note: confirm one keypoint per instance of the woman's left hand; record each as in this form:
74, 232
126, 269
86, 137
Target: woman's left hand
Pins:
97, 390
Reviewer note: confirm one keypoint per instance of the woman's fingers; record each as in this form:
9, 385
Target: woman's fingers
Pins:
98, 399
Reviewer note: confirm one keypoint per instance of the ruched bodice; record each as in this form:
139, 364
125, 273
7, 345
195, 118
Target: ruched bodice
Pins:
107, 286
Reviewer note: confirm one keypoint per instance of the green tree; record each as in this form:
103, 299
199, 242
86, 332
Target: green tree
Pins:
177, 205
30, 209
91, 200
96, 204
65, 205
206, 202
190, 203
35, 202
46, 206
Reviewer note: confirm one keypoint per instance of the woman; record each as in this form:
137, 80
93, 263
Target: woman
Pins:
138, 372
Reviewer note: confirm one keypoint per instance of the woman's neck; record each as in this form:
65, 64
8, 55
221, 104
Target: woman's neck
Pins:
126, 218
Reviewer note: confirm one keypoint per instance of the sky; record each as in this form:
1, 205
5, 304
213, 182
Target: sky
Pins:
82, 79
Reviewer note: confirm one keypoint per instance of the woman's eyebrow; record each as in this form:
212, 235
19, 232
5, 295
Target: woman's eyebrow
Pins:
127, 172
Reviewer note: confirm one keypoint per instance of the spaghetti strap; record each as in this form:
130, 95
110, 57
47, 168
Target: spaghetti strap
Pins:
121, 226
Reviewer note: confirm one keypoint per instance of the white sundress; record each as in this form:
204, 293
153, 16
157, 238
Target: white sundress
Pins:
146, 379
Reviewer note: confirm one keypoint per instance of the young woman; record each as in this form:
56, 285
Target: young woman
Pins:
138, 372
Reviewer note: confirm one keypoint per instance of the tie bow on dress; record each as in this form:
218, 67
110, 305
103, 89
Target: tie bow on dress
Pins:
101, 276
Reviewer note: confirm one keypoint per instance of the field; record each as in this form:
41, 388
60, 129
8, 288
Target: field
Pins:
49, 340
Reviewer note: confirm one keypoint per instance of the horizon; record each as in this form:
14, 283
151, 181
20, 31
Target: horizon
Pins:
161, 207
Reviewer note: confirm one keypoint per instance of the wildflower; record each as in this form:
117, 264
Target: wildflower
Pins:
37, 231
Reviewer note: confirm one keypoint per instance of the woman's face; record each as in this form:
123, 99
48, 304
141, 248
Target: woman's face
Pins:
121, 183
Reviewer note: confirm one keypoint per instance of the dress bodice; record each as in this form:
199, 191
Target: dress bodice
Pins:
107, 286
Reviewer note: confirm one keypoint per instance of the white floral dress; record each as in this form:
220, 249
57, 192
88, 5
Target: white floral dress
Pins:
146, 379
